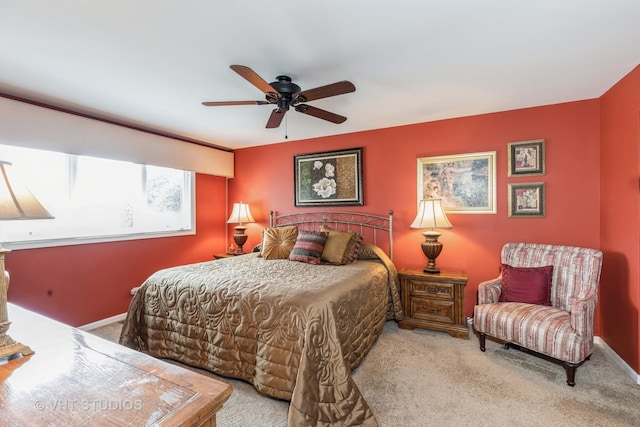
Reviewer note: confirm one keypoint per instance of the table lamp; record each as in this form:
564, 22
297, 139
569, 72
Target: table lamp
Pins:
431, 215
241, 213
16, 203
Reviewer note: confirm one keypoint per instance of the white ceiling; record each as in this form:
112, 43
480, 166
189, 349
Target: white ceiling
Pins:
152, 62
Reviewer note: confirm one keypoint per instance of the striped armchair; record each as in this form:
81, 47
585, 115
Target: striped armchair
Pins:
562, 330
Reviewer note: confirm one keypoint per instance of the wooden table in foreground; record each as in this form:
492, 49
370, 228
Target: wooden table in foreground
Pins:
77, 379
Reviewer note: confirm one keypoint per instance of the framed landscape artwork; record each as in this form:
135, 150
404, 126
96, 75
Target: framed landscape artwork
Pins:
527, 200
526, 158
330, 178
466, 183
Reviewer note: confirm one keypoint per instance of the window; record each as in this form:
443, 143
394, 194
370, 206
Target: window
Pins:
94, 199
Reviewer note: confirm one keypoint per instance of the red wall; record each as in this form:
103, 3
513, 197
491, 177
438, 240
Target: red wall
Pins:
571, 131
620, 214
84, 283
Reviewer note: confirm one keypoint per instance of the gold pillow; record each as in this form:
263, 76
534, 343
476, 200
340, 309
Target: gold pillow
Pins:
337, 245
277, 242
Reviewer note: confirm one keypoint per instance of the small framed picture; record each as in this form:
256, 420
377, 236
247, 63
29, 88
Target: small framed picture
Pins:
527, 200
526, 158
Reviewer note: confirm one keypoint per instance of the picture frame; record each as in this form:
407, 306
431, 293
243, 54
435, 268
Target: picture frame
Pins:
527, 200
330, 178
466, 183
526, 158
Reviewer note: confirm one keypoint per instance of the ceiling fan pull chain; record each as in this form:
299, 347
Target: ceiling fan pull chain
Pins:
286, 127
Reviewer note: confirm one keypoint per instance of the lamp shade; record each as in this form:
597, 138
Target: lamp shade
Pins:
431, 215
16, 201
241, 213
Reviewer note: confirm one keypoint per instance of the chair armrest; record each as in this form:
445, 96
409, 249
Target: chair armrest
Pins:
582, 314
489, 291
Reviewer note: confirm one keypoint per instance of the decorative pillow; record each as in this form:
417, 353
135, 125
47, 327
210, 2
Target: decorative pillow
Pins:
353, 249
277, 242
309, 246
338, 242
530, 285
366, 251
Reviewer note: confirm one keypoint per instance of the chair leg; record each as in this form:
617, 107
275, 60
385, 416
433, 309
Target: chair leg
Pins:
571, 373
481, 338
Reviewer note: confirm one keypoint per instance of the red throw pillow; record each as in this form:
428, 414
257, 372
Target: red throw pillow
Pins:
530, 285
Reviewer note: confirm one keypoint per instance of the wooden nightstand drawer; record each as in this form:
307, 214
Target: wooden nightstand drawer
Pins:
433, 310
433, 290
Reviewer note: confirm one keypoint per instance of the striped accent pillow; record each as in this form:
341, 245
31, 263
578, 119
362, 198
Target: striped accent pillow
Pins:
309, 246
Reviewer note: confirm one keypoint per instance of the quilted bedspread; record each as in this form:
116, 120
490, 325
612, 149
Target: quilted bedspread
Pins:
293, 330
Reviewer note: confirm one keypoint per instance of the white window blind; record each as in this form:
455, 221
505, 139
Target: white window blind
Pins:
27, 125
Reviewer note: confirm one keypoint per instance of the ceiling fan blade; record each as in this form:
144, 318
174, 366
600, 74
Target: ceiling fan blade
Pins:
276, 118
253, 78
224, 103
332, 89
319, 113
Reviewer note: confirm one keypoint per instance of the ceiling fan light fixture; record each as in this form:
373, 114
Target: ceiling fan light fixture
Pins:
285, 94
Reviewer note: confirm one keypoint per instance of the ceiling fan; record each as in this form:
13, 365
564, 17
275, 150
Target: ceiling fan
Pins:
283, 93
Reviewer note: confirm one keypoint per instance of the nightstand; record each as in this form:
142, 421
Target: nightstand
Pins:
226, 255
434, 301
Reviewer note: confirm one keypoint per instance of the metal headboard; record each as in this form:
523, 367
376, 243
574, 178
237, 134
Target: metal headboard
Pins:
368, 225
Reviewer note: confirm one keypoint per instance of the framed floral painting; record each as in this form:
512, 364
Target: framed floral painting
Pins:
330, 178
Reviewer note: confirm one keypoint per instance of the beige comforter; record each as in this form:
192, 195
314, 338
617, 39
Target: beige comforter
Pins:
293, 330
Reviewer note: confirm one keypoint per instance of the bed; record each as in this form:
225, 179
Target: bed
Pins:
295, 330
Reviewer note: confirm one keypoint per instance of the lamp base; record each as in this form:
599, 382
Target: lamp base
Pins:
431, 249
240, 238
8, 347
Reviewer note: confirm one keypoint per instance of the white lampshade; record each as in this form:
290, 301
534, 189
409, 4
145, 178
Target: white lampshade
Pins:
241, 213
16, 201
431, 215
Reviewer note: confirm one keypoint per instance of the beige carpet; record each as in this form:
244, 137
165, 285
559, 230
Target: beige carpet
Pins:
424, 378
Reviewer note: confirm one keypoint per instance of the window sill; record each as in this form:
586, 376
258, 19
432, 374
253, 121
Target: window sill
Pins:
96, 239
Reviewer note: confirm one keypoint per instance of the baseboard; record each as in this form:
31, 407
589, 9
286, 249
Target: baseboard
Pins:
608, 351
103, 322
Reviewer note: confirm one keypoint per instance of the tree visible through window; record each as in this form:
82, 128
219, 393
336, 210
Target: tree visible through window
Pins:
98, 198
